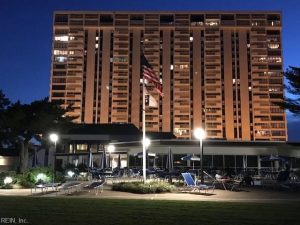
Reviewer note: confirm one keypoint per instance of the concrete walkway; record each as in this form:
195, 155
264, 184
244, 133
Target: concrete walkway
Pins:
245, 195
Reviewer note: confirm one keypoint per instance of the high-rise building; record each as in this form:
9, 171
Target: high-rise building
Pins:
220, 70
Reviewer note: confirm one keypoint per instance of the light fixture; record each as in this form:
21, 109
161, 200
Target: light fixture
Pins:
70, 173
111, 148
200, 134
146, 142
8, 180
41, 176
53, 137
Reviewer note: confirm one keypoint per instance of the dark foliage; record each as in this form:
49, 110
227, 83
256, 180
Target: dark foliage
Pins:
292, 75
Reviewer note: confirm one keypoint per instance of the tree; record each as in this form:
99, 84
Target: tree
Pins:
4, 102
23, 121
292, 75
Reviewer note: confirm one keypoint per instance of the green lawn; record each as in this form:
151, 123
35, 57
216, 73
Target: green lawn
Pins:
65, 211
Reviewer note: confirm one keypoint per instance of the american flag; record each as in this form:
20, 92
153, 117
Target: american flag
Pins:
150, 75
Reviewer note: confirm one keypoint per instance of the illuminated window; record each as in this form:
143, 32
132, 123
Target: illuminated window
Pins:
191, 38
120, 59
61, 38
180, 131
184, 67
60, 52
81, 147
273, 45
212, 22
71, 52
274, 59
60, 59
72, 38
171, 67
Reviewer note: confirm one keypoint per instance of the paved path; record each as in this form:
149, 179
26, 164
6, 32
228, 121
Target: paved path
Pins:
245, 195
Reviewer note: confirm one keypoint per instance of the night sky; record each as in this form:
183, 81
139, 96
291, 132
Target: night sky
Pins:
26, 32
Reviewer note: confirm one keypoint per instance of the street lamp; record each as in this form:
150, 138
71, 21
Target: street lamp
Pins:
200, 134
146, 143
54, 138
110, 148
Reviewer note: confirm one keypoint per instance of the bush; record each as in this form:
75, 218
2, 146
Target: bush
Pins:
60, 178
29, 177
143, 188
3, 175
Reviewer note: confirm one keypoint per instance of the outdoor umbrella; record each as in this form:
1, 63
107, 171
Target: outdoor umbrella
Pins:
140, 154
273, 158
191, 158
170, 160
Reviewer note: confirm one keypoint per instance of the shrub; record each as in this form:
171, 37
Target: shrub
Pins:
3, 175
143, 188
30, 177
59, 177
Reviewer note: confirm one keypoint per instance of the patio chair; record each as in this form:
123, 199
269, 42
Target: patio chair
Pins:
192, 185
39, 185
95, 186
226, 183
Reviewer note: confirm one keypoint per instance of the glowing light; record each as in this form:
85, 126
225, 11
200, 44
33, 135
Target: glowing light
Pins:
41, 176
147, 142
53, 137
8, 180
110, 148
199, 133
71, 173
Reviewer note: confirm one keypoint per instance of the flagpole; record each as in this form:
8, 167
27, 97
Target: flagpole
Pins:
144, 132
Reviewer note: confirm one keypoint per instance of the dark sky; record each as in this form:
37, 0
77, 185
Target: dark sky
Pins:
26, 31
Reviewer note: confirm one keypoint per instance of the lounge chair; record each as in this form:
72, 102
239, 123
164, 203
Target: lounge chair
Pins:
192, 184
44, 187
228, 183
95, 186
70, 187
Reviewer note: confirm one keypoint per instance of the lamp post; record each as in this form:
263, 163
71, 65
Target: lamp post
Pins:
110, 148
54, 138
200, 134
146, 142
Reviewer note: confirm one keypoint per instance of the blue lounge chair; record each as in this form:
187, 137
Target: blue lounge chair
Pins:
192, 185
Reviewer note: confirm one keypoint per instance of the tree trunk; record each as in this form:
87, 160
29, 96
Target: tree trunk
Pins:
23, 156
26, 144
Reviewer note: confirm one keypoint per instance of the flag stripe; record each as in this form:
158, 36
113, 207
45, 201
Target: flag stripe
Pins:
151, 76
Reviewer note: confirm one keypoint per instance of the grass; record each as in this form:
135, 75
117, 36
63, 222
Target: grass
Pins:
65, 211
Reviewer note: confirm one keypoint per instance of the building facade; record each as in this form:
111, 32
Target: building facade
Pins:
220, 70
